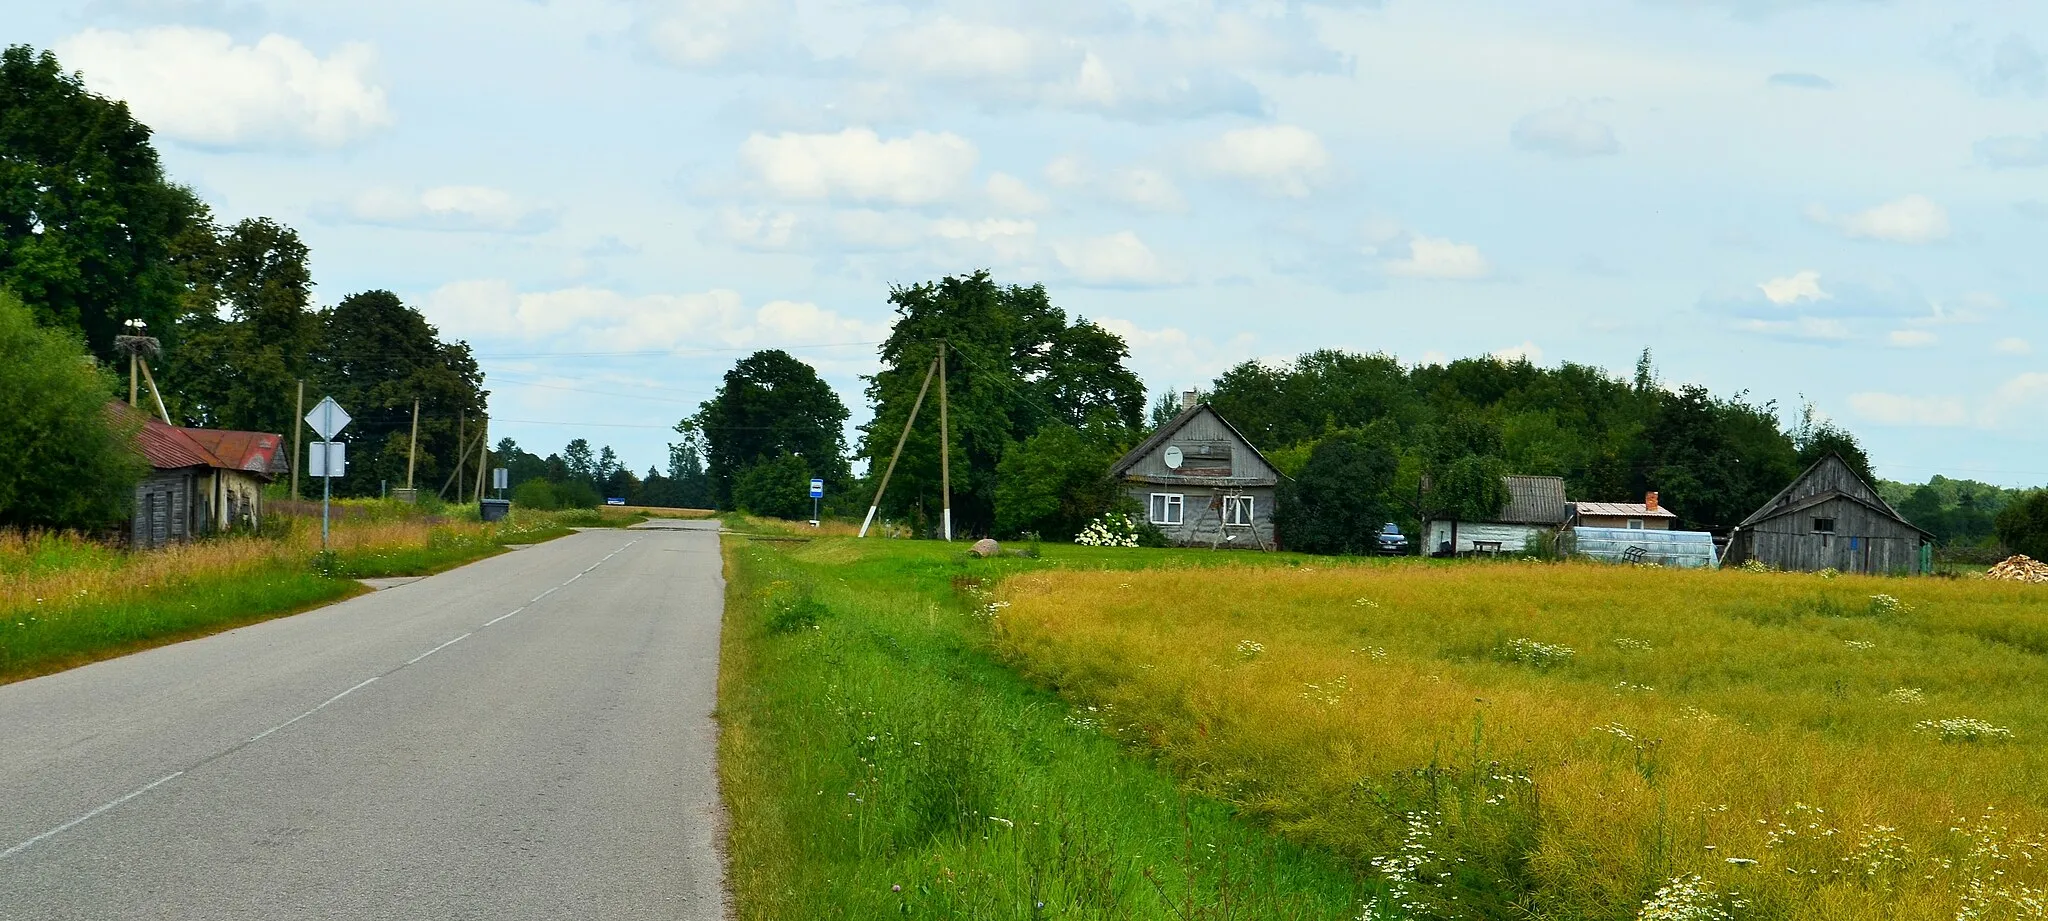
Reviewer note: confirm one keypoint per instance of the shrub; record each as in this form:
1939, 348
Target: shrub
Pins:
776, 488
65, 465
1109, 531
538, 495
2023, 525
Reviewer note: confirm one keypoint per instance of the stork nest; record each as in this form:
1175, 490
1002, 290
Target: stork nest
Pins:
145, 346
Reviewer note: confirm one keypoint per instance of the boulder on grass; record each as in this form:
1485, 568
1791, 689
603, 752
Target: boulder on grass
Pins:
986, 547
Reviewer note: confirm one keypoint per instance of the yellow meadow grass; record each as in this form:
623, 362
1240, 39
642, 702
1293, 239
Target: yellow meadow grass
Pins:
1779, 735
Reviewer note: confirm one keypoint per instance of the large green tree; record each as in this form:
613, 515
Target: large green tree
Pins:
2023, 525
1057, 481
90, 228
375, 355
1338, 501
769, 405
1015, 363
240, 371
66, 461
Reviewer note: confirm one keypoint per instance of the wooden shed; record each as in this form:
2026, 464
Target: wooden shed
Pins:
201, 481
1829, 518
1536, 509
1200, 481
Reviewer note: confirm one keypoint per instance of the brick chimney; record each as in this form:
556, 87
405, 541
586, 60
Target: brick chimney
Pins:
1650, 501
1188, 398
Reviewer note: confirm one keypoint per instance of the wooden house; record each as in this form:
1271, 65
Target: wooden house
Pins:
1536, 509
201, 481
1200, 481
1649, 515
1830, 518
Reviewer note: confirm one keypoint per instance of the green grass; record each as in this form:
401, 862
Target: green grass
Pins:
879, 762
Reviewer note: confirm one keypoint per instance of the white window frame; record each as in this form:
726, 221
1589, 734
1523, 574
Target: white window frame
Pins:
1232, 503
1167, 508
1635, 524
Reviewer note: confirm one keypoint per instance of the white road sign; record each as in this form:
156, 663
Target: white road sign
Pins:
328, 419
327, 458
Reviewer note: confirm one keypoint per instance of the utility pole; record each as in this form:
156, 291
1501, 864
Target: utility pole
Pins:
461, 450
299, 413
898, 455
413, 449
945, 451
132, 358
483, 455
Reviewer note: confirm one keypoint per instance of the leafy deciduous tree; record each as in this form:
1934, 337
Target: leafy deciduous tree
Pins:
69, 463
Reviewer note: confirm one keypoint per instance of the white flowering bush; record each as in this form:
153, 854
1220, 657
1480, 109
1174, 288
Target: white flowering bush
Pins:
1907, 696
1110, 530
1540, 655
1756, 566
1964, 729
1684, 898
1249, 650
1887, 604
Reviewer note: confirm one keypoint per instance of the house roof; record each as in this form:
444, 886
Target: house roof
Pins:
1787, 503
254, 452
167, 447
1164, 432
1622, 510
1535, 500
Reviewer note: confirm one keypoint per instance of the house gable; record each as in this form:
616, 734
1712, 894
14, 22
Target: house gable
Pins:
1209, 452
1827, 479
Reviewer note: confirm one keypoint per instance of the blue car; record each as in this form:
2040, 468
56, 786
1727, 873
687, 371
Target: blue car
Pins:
1391, 541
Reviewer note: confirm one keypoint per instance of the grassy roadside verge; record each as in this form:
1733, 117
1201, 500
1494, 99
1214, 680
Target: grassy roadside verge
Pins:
878, 762
66, 602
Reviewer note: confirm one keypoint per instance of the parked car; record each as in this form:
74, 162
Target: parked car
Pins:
1391, 541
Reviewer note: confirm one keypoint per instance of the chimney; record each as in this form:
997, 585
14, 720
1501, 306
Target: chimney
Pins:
1650, 501
1188, 398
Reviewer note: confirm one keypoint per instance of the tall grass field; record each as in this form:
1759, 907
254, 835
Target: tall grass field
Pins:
66, 601
1575, 741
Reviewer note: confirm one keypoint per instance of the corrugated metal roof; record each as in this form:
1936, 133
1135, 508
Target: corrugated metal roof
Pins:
1622, 510
167, 447
1535, 500
249, 451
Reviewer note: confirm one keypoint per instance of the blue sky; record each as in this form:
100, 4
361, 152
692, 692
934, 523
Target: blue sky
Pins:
1841, 201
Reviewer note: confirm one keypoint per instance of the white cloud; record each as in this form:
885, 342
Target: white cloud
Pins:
1807, 329
587, 315
858, 165
706, 34
1066, 172
2012, 345
1913, 219
765, 231
1565, 131
1911, 338
1919, 412
1435, 257
951, 49
2017, 402
1527, 351
1282, 159
198, 86
1792, 289
1173, 354
459, 208
2014, 152
1116, 260
1011, 194
1141, 188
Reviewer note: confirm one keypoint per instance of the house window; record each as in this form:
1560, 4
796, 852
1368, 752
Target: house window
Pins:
1166, 507
1237, 511
1635, 524
1823, 526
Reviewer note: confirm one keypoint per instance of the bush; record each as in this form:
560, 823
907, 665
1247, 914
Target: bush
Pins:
65, 465
2023, 525
1055, 482
538, 495
1337, 504
775, 488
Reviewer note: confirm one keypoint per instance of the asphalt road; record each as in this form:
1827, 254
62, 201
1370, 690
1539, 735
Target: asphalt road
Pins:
529, 736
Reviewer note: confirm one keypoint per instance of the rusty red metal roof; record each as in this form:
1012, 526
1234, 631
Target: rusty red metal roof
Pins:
167, 447
250, 451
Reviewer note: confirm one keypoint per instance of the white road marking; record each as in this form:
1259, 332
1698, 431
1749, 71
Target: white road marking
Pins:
436, 649
25, 845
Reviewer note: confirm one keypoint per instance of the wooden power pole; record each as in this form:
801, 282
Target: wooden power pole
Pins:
898, 454
413, 449
298, 429
461, 451
945, 451
483, 454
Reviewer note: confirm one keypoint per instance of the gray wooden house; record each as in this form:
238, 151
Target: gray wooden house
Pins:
1829, 518
200, 481
1199, 480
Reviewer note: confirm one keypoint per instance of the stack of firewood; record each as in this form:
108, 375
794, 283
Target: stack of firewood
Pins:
2021, 568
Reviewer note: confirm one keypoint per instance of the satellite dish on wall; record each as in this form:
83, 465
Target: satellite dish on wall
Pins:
1173, 458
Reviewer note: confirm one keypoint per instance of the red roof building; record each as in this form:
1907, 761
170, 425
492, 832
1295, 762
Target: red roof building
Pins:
201, 481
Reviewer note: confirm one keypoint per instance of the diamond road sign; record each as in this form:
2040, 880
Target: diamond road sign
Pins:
328, 418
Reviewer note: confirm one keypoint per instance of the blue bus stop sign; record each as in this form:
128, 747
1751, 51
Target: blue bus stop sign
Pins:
817, 489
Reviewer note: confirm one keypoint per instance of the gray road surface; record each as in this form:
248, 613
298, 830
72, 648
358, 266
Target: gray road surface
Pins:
529, 736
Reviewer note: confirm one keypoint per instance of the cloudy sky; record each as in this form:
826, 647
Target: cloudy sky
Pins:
1842, 201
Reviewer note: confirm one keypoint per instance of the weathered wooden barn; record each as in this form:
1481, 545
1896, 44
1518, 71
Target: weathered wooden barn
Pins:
201, 481
1829, 518
1200, 481
1536, 509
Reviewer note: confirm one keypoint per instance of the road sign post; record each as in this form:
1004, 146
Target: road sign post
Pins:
328, 419
817, 492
